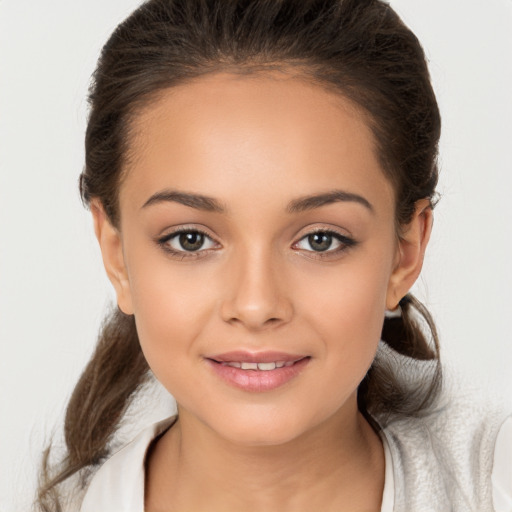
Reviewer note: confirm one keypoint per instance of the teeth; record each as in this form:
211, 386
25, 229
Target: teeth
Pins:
234, 364
249, 366
266, 366
258, 366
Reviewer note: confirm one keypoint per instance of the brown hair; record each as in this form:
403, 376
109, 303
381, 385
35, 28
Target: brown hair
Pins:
360, 48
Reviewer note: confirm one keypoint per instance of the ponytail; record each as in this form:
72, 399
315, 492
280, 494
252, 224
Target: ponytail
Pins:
114, 373
362, 50
404, 334
405, 377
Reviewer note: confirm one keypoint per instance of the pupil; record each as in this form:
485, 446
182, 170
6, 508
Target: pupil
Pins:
191, 241
320, 241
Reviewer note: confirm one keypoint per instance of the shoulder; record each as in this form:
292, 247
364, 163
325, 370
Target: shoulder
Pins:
446, 458
119, 483
502, 468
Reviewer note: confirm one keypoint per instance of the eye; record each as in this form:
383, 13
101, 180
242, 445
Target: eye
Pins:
319, 242
190, 240
324, 241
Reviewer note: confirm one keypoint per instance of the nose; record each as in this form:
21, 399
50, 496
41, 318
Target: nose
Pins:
256, 294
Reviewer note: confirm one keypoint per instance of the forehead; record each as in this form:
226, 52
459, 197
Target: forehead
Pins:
223, 130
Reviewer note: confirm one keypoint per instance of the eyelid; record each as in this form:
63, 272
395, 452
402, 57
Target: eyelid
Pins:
324, 228
163, 240
346, 240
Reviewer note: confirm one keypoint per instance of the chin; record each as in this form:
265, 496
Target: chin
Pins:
261, 437
261, 427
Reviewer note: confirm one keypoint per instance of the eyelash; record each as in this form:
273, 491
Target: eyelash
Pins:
346, 243
163, 242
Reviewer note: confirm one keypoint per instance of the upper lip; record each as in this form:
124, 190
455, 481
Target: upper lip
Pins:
255, 357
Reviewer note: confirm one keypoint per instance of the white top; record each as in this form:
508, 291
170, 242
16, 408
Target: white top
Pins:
119, 484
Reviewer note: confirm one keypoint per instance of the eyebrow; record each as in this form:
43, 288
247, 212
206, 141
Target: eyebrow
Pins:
197, 201
333, 196
209, 204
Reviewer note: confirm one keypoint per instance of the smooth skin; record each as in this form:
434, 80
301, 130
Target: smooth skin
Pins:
258, 267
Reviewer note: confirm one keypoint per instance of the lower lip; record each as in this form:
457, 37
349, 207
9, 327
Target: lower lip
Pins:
258, 381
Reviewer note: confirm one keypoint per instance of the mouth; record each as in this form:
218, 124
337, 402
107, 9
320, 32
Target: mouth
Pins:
258, 366
257, 372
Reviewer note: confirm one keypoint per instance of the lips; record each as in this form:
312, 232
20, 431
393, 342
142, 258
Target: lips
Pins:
257, 372
255, 357
245, 365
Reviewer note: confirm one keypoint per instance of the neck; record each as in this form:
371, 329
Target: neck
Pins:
339, 466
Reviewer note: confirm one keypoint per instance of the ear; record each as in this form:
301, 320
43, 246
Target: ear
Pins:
111, 247
410, 253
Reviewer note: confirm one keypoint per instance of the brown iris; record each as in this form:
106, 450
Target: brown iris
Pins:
192, 241
320, 241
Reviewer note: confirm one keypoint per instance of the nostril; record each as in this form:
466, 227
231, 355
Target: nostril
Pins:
255, 302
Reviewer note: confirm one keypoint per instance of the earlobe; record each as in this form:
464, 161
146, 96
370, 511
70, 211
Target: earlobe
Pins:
411, 251
111, 247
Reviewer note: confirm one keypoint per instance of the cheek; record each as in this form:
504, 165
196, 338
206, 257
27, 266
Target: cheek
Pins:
350, 300
171, 304
346, 309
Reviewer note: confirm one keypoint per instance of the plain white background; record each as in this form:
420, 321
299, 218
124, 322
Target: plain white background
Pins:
52, 287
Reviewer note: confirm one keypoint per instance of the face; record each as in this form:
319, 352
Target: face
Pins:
257, 251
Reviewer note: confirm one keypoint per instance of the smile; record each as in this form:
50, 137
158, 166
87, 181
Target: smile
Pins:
264, 371
258, 366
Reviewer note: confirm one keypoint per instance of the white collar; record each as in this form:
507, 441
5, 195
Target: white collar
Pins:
119, 483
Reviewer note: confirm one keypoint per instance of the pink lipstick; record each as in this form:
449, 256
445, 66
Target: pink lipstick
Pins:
257, 372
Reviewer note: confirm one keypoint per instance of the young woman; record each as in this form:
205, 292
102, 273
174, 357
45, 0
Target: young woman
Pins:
261, 176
